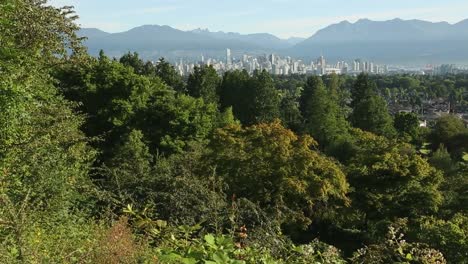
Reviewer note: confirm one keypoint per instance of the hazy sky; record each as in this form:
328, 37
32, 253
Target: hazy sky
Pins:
284, 18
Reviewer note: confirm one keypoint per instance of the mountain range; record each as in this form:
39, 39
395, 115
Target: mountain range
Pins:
393, 41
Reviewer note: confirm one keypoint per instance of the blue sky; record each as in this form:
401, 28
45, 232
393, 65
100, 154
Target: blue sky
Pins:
284, 18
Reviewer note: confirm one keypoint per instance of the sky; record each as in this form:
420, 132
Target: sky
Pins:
283, 18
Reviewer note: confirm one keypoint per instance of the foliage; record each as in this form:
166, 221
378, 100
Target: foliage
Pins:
449, 236
390, 180
396, 250
269, 164
452, 133
203, 83
320, 110
407, 126
369, 109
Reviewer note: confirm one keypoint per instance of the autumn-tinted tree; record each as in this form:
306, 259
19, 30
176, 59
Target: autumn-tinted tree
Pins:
270, 165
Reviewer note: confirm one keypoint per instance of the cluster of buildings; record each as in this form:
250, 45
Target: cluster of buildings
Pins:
278, 65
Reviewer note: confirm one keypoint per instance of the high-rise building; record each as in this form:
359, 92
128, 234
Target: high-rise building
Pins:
322, 64
271, 58
228, 57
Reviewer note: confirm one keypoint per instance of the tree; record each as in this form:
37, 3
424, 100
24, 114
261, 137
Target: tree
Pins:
266, 100
38, 161
370, 111
390, 180
44, 157
203, 83
128, 168
253, 99
322, 116
112, 95
449, 236
171, 121
451, 132
273, 167
407, 125
234, 92
132, 60
442, 160
169, 75
289, 109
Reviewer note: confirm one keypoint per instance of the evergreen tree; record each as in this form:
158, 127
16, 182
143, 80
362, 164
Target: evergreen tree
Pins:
370, 111
166, 72
132, 60
235, 92
266, 99
321, 113
203, 83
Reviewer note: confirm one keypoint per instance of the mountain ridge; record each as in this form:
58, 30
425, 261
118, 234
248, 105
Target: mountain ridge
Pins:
394, 40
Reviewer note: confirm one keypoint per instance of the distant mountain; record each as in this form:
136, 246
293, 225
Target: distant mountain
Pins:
295, 40
153, 41
392, 41
265, 40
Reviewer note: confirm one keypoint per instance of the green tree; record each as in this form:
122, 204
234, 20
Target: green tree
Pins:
370, 111
321, 113
254, 99
44, 157
128, 168
173, 120
168, 74
112, 95
449, 236
133, 60
203, 83
266, 99
391, 180
452, 133
407, 125
234, 92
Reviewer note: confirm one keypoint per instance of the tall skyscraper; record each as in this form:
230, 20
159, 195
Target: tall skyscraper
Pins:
272, 59
228, 57
323, 65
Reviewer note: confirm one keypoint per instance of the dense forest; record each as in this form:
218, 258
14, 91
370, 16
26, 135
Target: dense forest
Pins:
118, 160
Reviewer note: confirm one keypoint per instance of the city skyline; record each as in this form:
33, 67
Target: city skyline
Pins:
285, 65
296, 18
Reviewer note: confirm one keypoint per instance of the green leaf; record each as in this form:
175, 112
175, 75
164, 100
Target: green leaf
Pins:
210, 239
